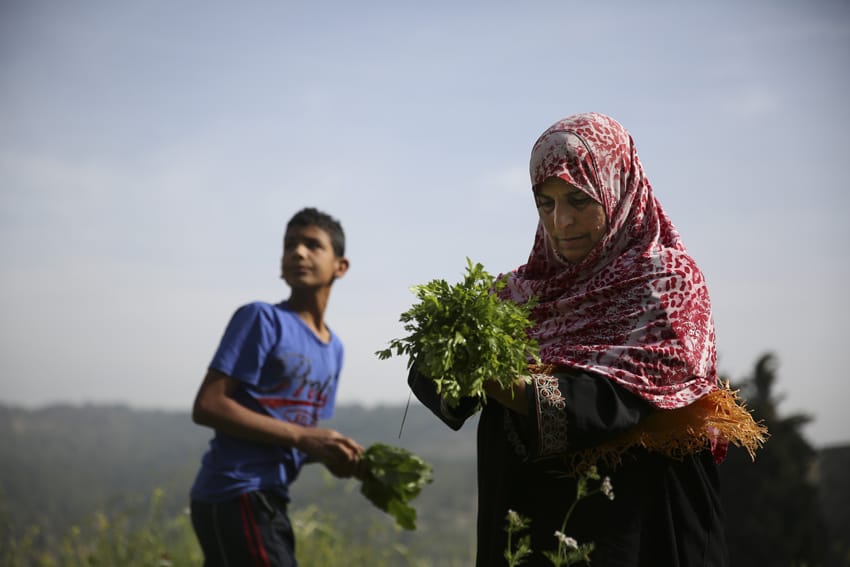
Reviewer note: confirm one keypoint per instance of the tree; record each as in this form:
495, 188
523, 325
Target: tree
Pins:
772, 507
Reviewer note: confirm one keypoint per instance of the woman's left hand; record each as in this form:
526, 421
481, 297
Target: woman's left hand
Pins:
514, 398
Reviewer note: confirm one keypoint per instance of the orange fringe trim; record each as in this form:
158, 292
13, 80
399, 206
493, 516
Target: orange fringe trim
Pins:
717, 417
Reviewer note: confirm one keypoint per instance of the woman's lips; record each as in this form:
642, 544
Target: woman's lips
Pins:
569, 241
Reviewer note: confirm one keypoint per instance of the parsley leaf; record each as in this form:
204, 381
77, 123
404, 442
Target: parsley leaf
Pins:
464, 334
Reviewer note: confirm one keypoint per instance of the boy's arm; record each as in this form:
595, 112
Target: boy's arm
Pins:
215, 407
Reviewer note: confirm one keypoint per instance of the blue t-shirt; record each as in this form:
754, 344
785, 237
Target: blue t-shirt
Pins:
285, 371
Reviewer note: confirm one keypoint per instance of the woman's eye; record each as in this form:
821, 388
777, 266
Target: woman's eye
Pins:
578, 199
545, 204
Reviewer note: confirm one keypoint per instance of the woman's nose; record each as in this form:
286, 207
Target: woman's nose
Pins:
564, 216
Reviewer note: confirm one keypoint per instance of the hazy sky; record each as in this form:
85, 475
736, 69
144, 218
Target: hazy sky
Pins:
151, 153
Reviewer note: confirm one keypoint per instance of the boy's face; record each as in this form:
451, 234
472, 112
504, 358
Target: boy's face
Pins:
309, 259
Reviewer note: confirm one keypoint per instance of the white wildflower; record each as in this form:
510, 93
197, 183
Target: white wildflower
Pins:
607, 488
516, 521
568, 542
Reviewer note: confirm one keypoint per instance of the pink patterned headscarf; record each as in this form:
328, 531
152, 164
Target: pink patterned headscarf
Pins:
636, 309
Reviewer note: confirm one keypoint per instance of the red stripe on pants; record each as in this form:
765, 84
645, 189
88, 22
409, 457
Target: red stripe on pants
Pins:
252, 533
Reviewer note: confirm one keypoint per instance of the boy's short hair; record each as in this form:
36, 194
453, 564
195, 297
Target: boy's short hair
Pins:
314, 217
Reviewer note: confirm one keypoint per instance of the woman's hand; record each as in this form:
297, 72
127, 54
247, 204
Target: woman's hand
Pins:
514, 398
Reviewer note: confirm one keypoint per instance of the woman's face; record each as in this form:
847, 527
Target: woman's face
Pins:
573, 221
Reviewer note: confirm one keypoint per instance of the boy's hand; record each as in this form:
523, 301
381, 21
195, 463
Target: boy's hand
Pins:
340, 454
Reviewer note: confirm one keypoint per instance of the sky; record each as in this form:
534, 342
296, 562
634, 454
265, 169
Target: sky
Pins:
152, 152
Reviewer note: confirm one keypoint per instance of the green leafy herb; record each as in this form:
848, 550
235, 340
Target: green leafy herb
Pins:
394, 477
464, 334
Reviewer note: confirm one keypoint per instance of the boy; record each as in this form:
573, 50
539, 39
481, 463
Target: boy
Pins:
272, 378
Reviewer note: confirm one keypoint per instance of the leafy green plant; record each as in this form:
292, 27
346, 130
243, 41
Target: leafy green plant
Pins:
464, 334
394, 477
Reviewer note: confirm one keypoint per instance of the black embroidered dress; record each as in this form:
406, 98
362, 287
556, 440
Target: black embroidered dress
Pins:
666, 512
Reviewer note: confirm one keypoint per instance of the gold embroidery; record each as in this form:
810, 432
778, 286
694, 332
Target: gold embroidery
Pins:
551, 417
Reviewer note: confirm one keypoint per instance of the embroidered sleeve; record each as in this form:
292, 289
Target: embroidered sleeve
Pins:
551, 414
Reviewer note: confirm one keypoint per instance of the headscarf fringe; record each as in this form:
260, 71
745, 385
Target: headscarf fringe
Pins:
717, 418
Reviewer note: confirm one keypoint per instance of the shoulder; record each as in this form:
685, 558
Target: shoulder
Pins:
682, 272
670, 268
261, 309
257, 313
675, 260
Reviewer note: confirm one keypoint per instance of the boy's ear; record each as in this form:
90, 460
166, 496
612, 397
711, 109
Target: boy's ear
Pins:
342, 266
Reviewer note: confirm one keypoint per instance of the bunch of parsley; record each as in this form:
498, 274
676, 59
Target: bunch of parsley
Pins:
464, 334
394, 477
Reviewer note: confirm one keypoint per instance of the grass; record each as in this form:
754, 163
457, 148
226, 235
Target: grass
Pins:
154, 538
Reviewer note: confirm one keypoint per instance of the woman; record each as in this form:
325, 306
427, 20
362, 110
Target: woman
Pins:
628, 378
